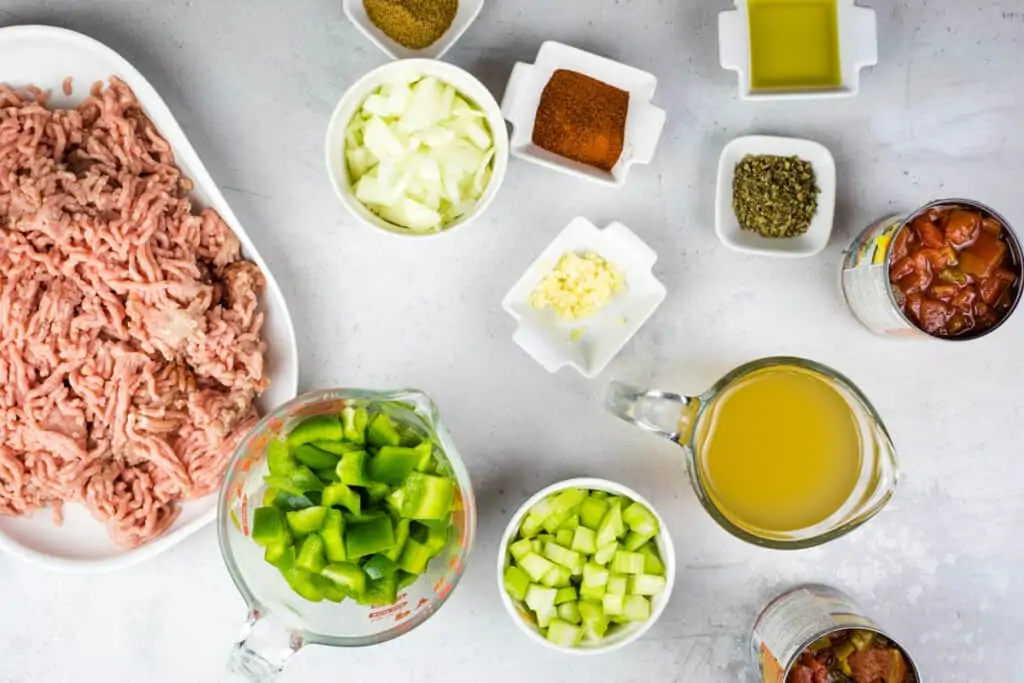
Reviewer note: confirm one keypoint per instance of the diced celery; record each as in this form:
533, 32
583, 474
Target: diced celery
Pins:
348, 576
584, 541
367, 538
535, 566
378, 566
560, 555
382, 432
561, 632
316, 428
617, 584
563, 537
599, 494
592, 592
613, 604
557, 577
269, 527
652, 559
351, 469
531, 526
545, 617
569, 612
563, 507
414, 557
540, 598
605, 553
541, 509
640, 519
567, 594
592, 511
595, 624
636, 608
427, 496
520, 548
311, 554
626, 562
301, 581
611, 527
633, 541
314, 458
570, 524
303, 522
594, 575
537, 546
646, 584
341, 494
517, 582
333, 534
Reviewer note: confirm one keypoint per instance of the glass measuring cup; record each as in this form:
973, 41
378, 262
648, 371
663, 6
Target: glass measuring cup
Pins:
689, 421
280, 622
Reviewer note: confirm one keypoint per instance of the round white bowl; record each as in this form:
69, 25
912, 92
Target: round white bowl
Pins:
466, 84
625, 633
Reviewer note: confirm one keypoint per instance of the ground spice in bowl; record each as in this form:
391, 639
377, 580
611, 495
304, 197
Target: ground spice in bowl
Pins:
774, 196
583, 119
415, 24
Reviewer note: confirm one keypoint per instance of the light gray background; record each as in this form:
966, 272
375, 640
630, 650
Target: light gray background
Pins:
253, 82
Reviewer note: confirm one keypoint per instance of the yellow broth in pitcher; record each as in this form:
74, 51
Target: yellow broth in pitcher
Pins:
779, 451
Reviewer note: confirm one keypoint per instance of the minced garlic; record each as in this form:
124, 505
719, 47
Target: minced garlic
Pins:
579, 285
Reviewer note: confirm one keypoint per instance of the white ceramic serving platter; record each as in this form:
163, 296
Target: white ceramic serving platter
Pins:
467, 13
858, 48
44, 56
644, 121
728, 227
549, 339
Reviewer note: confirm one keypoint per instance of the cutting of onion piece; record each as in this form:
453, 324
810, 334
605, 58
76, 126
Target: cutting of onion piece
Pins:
419, 154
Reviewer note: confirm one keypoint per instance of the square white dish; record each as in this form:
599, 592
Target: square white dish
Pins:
728, 227
44, 56
549, 339
644, 121
858, 48
464, 16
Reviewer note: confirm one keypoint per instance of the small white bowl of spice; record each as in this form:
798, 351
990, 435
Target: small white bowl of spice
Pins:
404, 29
585, 297
776, 196
582, 114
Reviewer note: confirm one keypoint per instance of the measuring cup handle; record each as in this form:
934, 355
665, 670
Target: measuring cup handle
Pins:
261, 653
658, 412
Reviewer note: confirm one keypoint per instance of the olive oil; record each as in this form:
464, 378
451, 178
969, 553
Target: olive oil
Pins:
794, 44
779, 451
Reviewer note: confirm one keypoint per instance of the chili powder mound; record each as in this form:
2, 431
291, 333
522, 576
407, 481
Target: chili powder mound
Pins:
582, 118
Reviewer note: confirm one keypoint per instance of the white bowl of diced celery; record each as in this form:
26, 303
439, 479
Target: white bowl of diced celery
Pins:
417, 147
586, 566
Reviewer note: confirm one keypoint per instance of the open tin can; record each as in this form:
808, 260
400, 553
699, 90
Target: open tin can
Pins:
870, 293
806, 619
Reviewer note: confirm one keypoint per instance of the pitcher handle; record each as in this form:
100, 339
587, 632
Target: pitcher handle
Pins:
260, 654
660, 412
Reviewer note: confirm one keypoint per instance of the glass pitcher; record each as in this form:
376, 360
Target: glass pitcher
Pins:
280, 622
691, 423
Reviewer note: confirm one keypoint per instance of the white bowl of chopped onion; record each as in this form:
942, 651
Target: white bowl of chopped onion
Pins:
417, 148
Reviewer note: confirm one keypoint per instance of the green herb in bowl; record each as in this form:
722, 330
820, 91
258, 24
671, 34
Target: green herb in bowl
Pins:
775, 196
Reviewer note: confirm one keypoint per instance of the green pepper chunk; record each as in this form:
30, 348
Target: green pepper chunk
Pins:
341, 494
402, 529
306, 521
367, 538
269, 527
316, 428
289, 502
301, 581
351, 469
393, 464
381, 593
279, 458
382, 432
315, 458
379, 565
376, 492
337, 447
427, 496
311, 555
333, 534
347, 576
427, 464
354, 421
405, 579
280, 555
331, 591
414, 557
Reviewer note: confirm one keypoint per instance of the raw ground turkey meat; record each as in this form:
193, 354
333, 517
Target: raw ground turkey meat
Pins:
130, 348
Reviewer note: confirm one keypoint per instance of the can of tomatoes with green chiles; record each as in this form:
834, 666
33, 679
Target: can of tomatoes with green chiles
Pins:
952, 270
817, 633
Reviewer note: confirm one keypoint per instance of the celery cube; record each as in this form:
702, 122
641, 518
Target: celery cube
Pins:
595, 624
617, 584
626, 562
613, 605
539, 598
567, 594
569, 612
570, 524
594, 575
646, 584
557, 577
563, 537
535, 566
605, 553
640, 519
563, 556
517, 582
592, 592
634, 540
636, 608
520, 548
584, 540
612, 527
592, 511
561, 632
652, 559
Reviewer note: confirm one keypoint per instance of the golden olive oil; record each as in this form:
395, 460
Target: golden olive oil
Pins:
794, 44
780, 451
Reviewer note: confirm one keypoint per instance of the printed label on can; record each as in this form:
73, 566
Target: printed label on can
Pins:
865, 281
795, 620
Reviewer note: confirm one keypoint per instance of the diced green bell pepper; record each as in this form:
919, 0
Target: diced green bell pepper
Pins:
331, 591
364, 516
327, 476
382, 432
414, 557
316, 428
517, 582
311, 554
301, 581
652, 559
405, 579
392, 465
340, 494
306, 521
339, 448
376, 492
269, 495
299, 480
280, 555
269, 527
427, 496
354, 422
348, 576
393, 501
381, 592
427, 463
351, 468
379, 565
367, 538
280, 460
402, 529
289, 501
314, 458
333, 534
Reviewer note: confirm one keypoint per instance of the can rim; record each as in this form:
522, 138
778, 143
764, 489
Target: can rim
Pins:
873, 629
1016, 251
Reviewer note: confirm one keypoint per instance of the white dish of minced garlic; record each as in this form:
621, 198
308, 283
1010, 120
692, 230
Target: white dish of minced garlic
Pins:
584, 297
